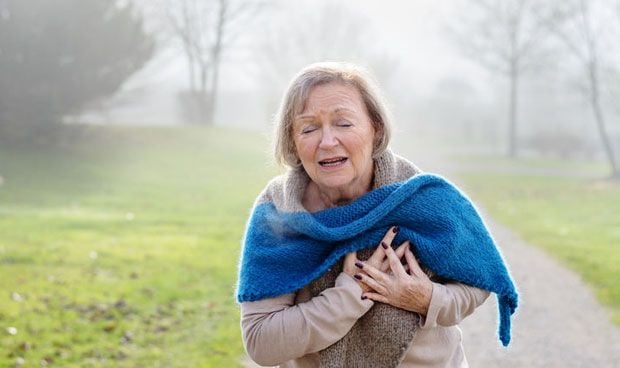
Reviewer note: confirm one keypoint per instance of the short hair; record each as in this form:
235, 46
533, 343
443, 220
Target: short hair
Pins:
322, 73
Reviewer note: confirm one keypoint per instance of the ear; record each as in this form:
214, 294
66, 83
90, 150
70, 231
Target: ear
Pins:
378, 128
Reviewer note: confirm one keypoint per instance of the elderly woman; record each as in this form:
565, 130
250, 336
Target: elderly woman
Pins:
329, 275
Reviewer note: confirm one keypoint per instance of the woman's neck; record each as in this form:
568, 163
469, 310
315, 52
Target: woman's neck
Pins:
317, 198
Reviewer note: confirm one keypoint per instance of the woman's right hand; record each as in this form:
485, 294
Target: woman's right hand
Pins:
378, 259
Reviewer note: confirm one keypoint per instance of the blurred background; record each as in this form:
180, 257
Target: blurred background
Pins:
135, 135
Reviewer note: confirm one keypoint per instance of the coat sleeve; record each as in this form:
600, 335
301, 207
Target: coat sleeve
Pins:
276, 330
451, 303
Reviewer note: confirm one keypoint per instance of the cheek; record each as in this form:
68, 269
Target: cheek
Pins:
363, 146
304, 149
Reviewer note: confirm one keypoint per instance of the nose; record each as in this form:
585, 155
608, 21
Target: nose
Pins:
328, 138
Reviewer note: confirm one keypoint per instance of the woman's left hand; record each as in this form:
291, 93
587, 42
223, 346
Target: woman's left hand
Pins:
398, 288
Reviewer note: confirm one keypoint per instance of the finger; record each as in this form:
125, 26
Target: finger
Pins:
370, 282
349, 263
390, 235
375, 296
395, 265
385, 265
414, 266
379, 254
373, 272
400, 252
350, 258
378, 257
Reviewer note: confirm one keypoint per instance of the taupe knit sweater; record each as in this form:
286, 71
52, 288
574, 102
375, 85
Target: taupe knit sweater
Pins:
288, 329
381, 337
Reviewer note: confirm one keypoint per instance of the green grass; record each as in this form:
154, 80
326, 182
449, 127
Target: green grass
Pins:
576, 220
538, 164
120, 250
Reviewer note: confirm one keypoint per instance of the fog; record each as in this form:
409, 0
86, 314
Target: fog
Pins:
414, 48
134, 138
410, 34
442, 65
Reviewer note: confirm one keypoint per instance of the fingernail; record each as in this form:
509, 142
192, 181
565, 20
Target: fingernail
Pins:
358, 276
385, 246
395, 229
364, 297
359, 265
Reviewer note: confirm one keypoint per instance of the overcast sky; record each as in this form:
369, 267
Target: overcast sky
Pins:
429, 66
413, 32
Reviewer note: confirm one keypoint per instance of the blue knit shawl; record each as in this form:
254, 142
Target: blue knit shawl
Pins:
283, 252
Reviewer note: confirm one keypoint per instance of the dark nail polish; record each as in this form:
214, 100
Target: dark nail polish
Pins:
364, 297
358, 276
359, 265
385, 246
395, 229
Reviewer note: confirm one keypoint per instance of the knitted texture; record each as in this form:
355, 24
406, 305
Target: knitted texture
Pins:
285, 247
378, 339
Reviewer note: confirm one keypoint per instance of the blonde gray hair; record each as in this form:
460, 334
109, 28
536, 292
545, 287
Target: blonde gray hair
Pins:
296, 96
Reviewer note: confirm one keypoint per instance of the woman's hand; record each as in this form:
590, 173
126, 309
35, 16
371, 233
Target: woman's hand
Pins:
378, 259
402, 290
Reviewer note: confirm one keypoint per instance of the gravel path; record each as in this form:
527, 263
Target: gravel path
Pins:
559, 323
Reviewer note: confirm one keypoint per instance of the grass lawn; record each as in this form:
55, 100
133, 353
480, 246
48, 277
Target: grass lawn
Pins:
576, 220
538, 164
121, 250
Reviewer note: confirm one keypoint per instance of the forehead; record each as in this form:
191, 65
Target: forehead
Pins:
333, 96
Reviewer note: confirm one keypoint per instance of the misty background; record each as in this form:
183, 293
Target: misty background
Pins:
517, 77
134, 138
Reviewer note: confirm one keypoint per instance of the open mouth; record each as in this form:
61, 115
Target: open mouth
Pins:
331, 162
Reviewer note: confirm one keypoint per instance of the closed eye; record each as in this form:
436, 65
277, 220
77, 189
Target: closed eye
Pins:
308, 130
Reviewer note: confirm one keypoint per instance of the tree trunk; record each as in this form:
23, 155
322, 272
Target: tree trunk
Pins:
203, 100
192, 74
213, 93
600, 119
215, 57
512, 122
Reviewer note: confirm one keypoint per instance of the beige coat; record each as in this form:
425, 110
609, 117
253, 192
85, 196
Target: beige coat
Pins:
290, 329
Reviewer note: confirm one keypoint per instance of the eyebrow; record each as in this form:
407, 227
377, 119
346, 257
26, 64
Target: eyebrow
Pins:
344, 109
302, 117
337, 110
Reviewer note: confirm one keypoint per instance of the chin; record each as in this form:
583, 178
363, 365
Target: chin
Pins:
335, 181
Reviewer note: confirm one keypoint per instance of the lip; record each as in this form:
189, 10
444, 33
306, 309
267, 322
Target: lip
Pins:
332, 158
334, 166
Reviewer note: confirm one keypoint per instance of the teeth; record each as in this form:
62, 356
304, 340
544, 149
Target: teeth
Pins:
332, 162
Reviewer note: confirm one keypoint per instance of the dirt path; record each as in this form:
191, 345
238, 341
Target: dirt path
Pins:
559, 323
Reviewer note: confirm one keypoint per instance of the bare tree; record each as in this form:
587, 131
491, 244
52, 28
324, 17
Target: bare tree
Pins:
308, 32
205, 29
505, 38
577, 24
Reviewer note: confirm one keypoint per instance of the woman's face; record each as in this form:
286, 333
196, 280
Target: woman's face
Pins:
334, 137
